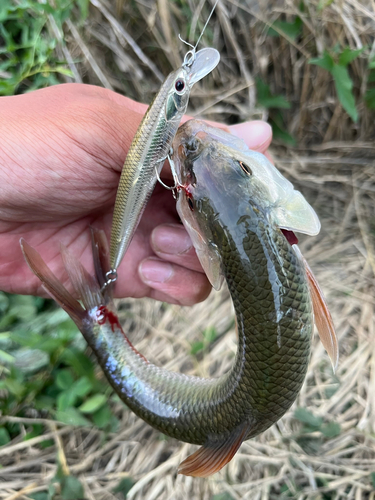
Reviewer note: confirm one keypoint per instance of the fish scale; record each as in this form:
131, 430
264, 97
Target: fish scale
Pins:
265, 378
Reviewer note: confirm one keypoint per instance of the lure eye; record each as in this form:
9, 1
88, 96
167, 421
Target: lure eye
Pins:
190, 203
246, 168
179, 85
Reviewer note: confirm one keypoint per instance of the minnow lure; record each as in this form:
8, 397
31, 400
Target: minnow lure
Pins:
233, 203
151, 146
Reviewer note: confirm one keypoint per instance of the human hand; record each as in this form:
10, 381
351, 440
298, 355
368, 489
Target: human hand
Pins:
61, 154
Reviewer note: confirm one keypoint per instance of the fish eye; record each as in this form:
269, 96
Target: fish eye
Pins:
245, 168
179, 85
192, 145
190, 203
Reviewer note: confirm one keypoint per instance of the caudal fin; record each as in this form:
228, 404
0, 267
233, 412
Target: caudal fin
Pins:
322, 316
52, 285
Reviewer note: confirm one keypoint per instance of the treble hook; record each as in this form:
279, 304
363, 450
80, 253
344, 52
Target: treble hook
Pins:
177, 183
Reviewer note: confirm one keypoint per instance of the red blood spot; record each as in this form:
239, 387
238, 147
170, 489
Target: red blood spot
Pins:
103, 314
186, 189
290, 236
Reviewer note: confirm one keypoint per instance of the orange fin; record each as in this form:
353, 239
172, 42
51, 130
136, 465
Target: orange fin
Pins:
322, 316
52, 285
212, 457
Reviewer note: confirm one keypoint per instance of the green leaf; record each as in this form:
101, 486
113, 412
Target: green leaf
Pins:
267, 100
6, 358
210, 334
332, 429
102, 417
84, 8
124, 486
4, 436
80, 363
326, 61
370, 98
93, 404
279, 132
196, 347
348, 55
46, 443
39, 495
372, 475
23, 306
344, 85
64, 379
222, 496
30, 360
82, 387
324, 3
292, 29
65, 400
37, 430
4, 302
71, 416
15, 387
71, 489
306, 417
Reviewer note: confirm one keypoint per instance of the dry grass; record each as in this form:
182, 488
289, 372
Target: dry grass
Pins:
129, 48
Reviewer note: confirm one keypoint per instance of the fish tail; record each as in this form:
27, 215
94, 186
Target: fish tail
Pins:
53, 285
87, 288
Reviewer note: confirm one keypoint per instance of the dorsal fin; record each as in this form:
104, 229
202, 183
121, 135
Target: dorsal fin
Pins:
322, 316
212, 456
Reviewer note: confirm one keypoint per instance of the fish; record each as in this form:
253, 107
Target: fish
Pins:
241, 214
150, 148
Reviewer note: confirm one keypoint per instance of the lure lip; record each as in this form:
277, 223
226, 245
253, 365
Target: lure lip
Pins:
204, 62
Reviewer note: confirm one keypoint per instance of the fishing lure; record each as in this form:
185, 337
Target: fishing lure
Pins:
151, 146
240, 212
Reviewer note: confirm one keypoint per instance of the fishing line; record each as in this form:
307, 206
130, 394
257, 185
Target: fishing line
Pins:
190, 54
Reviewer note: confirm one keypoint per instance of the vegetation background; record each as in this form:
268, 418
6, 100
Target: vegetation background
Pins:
307, 66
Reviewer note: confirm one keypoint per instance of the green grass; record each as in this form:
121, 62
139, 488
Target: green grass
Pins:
45, 367
28, 56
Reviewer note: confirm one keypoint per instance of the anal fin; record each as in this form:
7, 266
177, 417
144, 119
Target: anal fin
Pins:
214, 455
322, 316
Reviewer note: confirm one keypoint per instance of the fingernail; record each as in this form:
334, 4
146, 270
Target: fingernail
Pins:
254, 133
154, 270
171, 239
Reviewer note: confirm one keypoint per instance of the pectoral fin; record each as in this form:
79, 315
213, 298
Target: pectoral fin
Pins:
295, 214
322, 316
212, 457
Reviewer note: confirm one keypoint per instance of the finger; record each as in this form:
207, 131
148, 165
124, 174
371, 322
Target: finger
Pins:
172, 243
183, 286
256, 134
